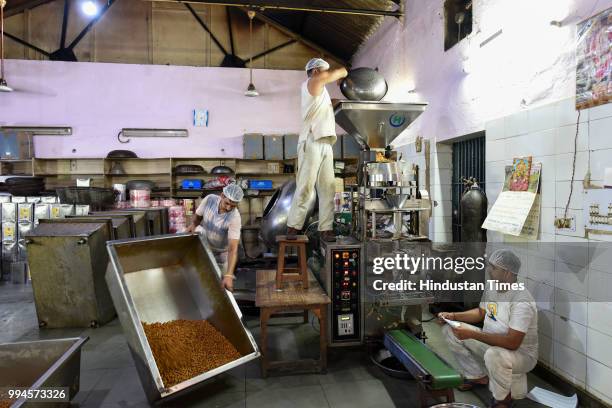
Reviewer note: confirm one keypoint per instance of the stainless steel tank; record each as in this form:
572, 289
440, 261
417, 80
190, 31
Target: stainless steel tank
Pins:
67, 264
33, 365
473, 213
274, 220
364, 84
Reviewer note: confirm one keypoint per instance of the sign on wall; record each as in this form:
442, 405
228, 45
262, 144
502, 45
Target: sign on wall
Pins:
594, 61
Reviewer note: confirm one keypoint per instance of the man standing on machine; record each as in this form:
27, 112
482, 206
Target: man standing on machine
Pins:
506, 349
315, 155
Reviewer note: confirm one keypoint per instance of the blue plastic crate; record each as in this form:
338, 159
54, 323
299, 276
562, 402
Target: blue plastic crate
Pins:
192, 184
260, 184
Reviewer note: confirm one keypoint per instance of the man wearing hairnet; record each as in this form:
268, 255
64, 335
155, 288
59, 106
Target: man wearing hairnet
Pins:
315, 155
217, 219
506, 348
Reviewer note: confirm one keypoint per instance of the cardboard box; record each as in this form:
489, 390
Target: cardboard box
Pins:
253, 147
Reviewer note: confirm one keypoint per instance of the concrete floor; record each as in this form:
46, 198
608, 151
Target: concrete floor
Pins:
109, 378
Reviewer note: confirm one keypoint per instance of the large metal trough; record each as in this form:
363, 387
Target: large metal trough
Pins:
42, 364
165, 278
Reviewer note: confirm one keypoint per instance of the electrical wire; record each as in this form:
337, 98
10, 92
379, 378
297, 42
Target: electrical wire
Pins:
573, 164
2, 4
251, 14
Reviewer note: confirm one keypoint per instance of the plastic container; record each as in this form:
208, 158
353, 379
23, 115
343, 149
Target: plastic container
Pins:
140, 198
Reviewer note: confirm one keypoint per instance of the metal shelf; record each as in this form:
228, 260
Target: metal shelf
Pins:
136, 174
264, 174
15, 160
66, 174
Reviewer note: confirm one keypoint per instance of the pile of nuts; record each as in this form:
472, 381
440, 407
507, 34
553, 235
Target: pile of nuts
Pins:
6, 403
184, 349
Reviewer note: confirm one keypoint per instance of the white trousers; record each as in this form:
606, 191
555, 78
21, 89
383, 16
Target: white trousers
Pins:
505, 368
315, 174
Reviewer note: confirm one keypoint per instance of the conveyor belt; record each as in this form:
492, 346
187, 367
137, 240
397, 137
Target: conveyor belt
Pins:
422, 363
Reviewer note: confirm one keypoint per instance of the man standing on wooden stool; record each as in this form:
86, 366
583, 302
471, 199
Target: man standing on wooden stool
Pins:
217, 219
315, 155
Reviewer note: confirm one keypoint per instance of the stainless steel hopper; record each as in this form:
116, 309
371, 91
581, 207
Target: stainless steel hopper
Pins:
376, 124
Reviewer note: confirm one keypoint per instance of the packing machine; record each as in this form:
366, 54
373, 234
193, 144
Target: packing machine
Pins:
390, 214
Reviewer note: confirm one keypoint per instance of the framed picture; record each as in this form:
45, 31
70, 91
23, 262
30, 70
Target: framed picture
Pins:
594, 61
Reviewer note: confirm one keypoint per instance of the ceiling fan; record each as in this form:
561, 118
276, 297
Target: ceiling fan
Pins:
3, 85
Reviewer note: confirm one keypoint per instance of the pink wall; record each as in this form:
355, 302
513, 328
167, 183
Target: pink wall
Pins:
97, 100
531, 63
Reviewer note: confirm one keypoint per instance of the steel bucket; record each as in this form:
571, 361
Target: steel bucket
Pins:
166, 278
42, 364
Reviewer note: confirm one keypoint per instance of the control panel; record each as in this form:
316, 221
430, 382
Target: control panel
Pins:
345, 294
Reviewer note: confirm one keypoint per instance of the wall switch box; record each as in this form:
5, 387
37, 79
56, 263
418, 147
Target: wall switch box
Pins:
565, 223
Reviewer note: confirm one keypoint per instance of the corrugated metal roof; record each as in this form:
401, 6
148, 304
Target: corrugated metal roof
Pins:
339, 34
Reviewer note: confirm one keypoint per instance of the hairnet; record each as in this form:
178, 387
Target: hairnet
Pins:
233, 192
506, 260
317, 63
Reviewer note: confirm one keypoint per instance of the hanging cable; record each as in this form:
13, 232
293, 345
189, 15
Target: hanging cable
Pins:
251, 91
251, 15
2, 4
573, 165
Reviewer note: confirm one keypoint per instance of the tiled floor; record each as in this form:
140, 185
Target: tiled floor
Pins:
109, 377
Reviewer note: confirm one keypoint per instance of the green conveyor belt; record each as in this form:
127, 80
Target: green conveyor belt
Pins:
442, 375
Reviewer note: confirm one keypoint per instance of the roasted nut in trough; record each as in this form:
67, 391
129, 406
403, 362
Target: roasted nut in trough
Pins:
184, 349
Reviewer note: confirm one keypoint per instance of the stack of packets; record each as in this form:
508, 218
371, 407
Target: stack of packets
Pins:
20, 215
516, 211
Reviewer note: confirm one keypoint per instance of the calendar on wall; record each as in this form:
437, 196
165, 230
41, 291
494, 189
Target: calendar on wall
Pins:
594, 61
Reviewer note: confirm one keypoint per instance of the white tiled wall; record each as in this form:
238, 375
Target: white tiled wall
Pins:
575, 326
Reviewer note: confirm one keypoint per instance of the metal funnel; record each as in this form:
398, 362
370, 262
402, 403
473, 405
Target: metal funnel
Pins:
376, 124
396, 201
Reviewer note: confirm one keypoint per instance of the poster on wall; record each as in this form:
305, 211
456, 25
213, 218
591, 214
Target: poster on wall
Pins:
594, 61
517, 212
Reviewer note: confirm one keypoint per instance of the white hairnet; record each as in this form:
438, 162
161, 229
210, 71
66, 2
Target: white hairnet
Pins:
233, 192
506, 260
317, 63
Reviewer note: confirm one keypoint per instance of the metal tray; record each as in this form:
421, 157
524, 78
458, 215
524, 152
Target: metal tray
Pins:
166, 278
42, 364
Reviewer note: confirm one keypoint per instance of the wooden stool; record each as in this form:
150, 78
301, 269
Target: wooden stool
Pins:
292, 274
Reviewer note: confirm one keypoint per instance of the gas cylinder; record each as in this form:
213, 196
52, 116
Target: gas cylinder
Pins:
473, 206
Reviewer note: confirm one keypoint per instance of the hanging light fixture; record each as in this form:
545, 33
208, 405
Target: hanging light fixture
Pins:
3, 85
251, 91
